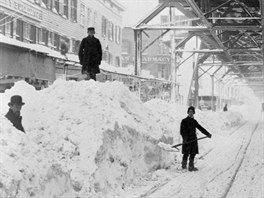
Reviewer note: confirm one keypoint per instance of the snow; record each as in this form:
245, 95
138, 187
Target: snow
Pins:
92, 139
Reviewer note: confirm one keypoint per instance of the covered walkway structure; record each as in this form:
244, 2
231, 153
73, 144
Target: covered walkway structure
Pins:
231, 34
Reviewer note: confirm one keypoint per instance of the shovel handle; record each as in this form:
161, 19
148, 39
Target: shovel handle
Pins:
175, 146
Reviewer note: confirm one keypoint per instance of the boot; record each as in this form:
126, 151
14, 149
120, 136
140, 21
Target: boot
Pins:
191, 166
184, 164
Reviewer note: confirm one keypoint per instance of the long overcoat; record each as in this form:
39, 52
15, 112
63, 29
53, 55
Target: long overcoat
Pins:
188, 133
15, 119
90, 54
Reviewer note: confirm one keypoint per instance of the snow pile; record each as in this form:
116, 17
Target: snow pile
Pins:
88, 136
228, 119
85, 139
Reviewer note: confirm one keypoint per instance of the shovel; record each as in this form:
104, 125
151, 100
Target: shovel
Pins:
176, 145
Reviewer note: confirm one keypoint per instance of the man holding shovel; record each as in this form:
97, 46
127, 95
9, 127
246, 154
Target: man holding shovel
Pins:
190, 144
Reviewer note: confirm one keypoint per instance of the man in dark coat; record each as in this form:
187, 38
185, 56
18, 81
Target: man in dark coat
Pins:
90, 54
225, 107
188, 133
13, 114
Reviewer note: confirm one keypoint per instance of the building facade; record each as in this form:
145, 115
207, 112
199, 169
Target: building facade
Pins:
49, 23
155, 59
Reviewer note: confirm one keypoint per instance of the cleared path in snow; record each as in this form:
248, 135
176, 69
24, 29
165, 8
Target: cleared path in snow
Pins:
233, 168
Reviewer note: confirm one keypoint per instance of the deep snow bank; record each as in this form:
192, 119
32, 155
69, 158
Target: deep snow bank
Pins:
86, 138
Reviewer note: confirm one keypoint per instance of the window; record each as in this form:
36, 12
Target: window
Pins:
118, 34
51, 39
57, 5
2, 22
64, 39
32, 35
9, 26
50, 6
26, 32
19, 30
57, 41
89, 13
118, 61
104, 26
6, 25
74, 10
95, 19
110, 60
45, 36
82, 14
110, 31
38, 35
66, 8
75, 46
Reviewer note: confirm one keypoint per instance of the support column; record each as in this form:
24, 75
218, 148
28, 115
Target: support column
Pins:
262, 22
173, 62
196, 77
212, 99
138, 53
196, 84
173, 69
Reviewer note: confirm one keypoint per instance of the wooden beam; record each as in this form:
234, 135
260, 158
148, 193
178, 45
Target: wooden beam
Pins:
245, 50
211, 11
237, 27
154, 13
211, 51
162, 27
262, 23
151, 43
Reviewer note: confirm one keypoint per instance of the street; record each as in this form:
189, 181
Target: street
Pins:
233, 168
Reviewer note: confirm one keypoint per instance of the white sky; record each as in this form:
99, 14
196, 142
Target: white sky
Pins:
136, 10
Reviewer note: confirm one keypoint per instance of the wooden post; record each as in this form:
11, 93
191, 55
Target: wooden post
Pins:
173, 62
196, 78
212, 99
262, 22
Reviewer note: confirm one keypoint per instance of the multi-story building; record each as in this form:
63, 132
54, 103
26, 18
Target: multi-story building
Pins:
50, 23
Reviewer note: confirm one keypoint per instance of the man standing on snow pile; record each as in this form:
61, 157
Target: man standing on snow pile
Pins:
90, 54
13, 115
188, 133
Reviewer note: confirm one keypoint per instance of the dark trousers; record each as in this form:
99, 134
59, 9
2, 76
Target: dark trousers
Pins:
185, 157
92, 76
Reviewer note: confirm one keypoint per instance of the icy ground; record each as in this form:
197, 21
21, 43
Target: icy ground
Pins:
90, 139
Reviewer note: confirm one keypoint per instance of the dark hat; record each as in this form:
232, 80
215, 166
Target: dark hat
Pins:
90, 29
16, 99
191, 108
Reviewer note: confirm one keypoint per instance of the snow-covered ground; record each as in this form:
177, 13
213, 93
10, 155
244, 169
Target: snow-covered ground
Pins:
91, 139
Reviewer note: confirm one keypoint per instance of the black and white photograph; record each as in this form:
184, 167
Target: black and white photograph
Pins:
131, 98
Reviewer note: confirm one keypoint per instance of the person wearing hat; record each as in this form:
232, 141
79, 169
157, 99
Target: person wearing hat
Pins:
188, 133
13, 115
90, 54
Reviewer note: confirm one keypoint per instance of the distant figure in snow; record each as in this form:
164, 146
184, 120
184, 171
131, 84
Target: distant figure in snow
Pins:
13, 114
188, 133
90, 54
225, 108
